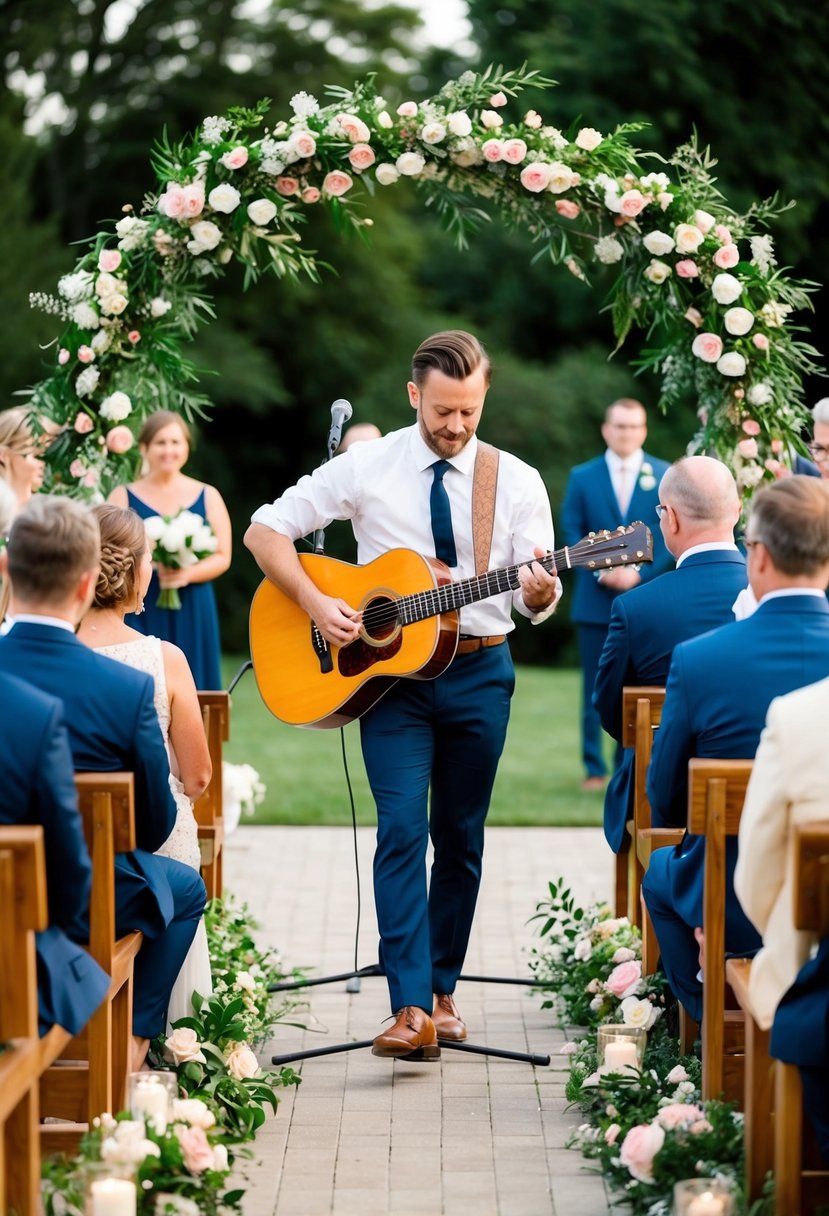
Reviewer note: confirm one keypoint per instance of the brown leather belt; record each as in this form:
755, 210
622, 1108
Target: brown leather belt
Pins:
468, 645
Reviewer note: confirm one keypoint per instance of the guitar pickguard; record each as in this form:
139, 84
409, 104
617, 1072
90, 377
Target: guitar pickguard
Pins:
358, 656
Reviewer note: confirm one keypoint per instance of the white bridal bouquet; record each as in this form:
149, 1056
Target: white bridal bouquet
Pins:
178, 541
242, 790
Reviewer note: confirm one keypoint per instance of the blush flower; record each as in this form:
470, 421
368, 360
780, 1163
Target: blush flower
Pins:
687, 269
336, 183
726, 257
236, 158
567, 208
639, 1148
624, 979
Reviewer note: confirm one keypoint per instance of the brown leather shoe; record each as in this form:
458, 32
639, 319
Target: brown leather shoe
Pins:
412, 1037
447, 1020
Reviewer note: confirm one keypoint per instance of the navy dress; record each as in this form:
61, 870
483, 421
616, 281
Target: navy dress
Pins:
195, 626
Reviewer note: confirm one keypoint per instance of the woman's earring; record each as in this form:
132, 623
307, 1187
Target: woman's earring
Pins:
139, 608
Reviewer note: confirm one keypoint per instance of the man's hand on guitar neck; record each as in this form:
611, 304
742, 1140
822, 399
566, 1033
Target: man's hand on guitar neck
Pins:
539, 589
336, 620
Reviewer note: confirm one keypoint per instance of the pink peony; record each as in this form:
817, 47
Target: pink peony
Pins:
567, 208
761, 341
624, 979
236, 158
197, 1153
109, 260
492, 150
747, 448
336, 183
83, 425
750, 427
727, 257
536, 177
639, 1148
677, 1113
632, 202
287, 186
361, 157
514, 150
311, 195
687, 269
707, 347
119, 440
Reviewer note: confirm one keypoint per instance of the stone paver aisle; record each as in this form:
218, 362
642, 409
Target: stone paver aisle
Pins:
468, 1134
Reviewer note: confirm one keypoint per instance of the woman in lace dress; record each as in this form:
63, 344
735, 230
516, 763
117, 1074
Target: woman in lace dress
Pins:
125, 574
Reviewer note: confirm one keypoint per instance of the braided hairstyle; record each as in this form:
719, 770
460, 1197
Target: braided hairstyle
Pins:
123, 542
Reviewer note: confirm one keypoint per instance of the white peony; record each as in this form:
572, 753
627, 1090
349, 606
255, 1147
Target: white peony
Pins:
609, 250
459, 123
726, 289
658, 243
224, 197
159, 306
433, 133
688, 238
760, 394
491, 119
204, 236
738, 321
154, 526
116, 407
731, 363
588, 139
261, 211
85, 316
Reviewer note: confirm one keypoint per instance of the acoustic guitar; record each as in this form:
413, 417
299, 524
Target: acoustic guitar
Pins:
410, 608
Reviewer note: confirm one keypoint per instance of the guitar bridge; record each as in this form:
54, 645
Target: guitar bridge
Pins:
322, 650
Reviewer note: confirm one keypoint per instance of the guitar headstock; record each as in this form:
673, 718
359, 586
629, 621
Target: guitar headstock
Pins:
629, 545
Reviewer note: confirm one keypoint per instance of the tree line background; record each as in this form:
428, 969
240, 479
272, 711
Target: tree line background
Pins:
749, 80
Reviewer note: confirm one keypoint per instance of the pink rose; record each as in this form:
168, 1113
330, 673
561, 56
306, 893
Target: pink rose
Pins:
514, 151
747, 448
304, 143
287, 186
707, 347
536, 177
193, 199
761, 341
612, 1133
63, 356
197, 1153
134, 336
687, 269
492, 150
109, 260
171, 203
336, 183
750, 427
77, 468
236, 158
355, 128
639, 1148
727, 257
311, 195
624, 979
85, 354
722, 234
119, 440
241, 1062
695, 317
677, 1113
568, 209
83, 425
361, 157
631, 203
408, 109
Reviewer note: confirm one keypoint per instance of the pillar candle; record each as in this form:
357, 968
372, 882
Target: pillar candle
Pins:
113, 1197
618, 1054
151, 1100
706, 1205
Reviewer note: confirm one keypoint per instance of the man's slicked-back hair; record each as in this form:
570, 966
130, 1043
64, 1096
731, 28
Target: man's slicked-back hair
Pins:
454, 352
53, 542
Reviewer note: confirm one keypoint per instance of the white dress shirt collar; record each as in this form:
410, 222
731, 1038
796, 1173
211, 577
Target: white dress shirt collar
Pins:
632, 462
712, 546
424, 457
35, 618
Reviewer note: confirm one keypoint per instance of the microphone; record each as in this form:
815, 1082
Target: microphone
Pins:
341, 411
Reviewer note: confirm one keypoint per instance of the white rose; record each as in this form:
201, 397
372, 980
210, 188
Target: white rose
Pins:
676, 1075
658, 243
385, 120
245, 981
261, 211
433, 132
154, 527
760, 394
636, 1012
657, 272
182, 1046
173, 537
738, 321
386, 174
726, 289
241, 1062
116, 407
561, 178
459, 123
220, 1161
588, 139
85, 316
491, 120
224, 197
204, 235
114, 305
582, 951
100, 341
731, 363
107, 284
194, 1112
688, 238
410, 164
705, 223
159, 306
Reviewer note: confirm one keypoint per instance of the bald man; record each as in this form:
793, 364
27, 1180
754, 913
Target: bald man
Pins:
698, 509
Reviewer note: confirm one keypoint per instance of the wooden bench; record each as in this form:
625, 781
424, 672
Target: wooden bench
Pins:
716, 792
208, 809
25, 910
94, 1077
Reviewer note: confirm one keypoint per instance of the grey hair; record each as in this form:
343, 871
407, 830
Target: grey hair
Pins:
820, 411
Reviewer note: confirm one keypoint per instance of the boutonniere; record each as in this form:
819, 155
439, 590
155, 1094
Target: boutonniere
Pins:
647, 481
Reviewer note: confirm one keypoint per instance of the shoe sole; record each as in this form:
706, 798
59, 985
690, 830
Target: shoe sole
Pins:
430, 1051
451, 1038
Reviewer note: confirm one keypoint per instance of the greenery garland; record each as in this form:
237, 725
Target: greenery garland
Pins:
701, 280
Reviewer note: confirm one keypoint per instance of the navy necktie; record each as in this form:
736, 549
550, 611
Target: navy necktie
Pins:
442, 516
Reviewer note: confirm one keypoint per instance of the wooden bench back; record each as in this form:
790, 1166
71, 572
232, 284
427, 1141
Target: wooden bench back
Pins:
641, 716
811, 877
209, 809
107, 807
716, 793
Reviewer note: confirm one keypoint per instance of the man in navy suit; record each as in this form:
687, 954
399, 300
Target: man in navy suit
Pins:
800, 1035
39, 788
616, 488
719, 688
698, 509
52, 560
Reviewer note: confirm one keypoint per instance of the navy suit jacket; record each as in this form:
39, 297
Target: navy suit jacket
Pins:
800, 1032
590, 505
806, 468
113, 726
38, 787
646, 623
719, 689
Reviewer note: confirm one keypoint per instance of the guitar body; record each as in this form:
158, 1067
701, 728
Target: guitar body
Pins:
306, 683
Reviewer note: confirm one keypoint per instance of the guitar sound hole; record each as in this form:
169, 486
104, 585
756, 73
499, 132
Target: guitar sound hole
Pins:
380, 619
381, 623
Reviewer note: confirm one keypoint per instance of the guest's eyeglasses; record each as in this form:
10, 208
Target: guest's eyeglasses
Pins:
819, 451
749, 544
660, 509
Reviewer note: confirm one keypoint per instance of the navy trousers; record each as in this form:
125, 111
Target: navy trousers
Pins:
431, 750
591, 644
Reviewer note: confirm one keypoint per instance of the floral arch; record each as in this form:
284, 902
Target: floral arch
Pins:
700, 279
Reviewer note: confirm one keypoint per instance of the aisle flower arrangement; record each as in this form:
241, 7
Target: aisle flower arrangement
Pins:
698, 277
185, 1168
644, 1128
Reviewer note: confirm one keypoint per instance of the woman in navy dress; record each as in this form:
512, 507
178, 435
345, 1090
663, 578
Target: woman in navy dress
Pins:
164, 489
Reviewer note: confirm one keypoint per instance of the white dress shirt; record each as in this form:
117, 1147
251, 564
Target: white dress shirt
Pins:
624, 483
383, 487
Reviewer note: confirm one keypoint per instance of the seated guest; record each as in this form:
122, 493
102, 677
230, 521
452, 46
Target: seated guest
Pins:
787, 787
698, 508
53, 560
39, 788
718, 691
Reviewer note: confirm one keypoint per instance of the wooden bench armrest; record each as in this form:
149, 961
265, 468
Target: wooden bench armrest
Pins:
648, 841
738, 975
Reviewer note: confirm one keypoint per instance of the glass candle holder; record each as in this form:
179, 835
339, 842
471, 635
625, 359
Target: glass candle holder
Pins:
109, 1189
150, 1097
703, 1197
620, 1047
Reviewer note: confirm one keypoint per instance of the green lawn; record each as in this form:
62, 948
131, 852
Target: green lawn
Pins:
538, 778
